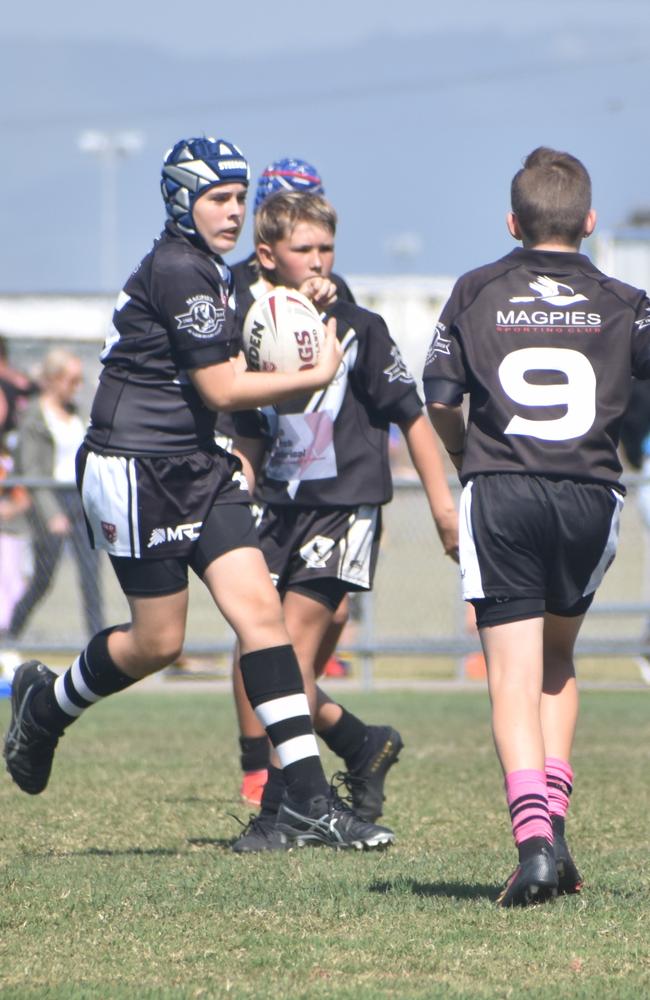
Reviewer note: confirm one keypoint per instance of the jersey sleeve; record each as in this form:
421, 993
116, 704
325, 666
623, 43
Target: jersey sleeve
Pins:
641, 340
382, 375
193, 307
445, 376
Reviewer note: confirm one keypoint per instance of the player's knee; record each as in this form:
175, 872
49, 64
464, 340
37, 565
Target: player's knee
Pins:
261, 622
159, 650
266, 608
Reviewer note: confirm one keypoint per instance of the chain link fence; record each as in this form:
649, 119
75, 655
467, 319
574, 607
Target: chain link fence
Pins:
414, 625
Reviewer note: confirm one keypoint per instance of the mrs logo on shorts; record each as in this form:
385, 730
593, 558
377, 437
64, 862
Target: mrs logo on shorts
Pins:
203, 319
161, 535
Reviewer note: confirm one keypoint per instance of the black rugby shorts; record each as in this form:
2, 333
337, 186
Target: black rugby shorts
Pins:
530, 544
323, 552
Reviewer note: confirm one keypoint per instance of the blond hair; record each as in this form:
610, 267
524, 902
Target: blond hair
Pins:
280, 213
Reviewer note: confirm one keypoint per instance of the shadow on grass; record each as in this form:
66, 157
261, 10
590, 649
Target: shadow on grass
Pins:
449, 890
201, 800
135, 852
106, 852
225, 842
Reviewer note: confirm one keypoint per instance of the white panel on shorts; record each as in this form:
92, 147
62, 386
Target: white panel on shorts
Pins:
470, 570
109, 493
356, 546
610, 547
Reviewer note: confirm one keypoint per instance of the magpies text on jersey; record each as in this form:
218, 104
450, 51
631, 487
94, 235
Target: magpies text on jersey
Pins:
538, 317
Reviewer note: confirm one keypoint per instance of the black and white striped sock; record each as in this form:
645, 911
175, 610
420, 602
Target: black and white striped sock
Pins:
92, 676
275, 689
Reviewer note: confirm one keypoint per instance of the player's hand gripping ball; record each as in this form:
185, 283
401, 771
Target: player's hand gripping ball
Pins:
282, 332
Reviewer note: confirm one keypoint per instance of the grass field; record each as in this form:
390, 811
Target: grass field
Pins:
118, 881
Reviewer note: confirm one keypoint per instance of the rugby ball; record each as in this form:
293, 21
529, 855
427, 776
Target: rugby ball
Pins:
282, 332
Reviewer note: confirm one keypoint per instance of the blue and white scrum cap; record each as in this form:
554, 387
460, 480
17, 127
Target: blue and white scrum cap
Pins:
289, 174
193, 166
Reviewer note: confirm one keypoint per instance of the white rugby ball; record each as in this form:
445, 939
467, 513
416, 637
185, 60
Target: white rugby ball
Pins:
282, 332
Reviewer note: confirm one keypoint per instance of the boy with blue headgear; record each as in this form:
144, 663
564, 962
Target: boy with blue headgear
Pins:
161, 497
322, 474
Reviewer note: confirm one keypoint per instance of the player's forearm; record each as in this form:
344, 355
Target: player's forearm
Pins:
246, 390
427, 460
449, 424
251, 389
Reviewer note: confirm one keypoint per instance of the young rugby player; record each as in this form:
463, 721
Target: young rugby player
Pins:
160, 496
324, 477
288, 174
545, 346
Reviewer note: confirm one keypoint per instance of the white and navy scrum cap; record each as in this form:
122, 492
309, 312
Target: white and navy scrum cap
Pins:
193, 166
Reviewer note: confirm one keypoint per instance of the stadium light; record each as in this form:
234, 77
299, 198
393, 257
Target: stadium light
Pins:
109, 148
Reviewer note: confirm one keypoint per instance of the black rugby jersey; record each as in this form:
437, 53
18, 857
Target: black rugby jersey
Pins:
331, 450
546, 345
175, 313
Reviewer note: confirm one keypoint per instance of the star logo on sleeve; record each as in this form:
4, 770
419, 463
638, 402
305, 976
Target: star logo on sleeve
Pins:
644, 322
439, 344
398, 372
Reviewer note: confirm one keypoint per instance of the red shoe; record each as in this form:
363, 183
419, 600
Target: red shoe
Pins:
336, 668
252, 786
474, 667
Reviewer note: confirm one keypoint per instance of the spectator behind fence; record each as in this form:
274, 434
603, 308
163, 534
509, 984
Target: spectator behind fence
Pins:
50, 433
14, 541
15, 388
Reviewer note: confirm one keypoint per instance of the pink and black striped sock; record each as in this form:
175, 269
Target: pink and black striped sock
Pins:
559, 781
528, 804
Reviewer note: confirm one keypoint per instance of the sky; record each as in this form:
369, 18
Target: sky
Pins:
417, 116
258, 26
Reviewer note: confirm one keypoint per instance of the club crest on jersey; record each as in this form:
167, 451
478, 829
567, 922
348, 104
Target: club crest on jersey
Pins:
317, 551
439, 344
203, 318
159, 536
398, 372
109, 532
556, 293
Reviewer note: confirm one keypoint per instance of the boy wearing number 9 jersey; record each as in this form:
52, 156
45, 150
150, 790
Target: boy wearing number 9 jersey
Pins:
545, 346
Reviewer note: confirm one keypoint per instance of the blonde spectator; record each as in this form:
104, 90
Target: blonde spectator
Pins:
50, 433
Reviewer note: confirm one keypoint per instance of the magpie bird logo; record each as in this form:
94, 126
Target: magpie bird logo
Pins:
556, 293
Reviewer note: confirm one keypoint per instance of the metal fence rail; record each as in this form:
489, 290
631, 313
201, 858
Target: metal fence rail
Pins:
414, 614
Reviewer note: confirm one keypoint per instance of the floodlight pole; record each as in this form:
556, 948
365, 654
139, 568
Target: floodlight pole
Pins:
109, 147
